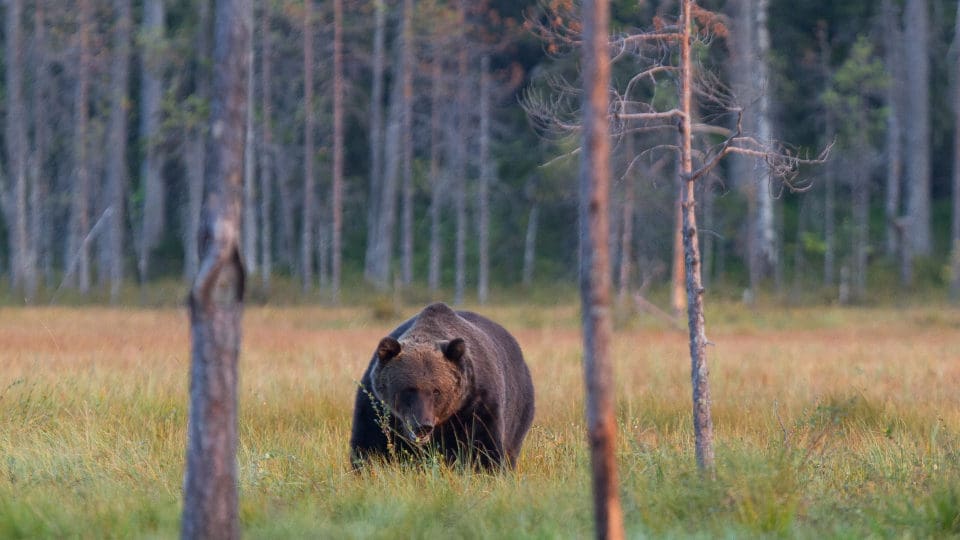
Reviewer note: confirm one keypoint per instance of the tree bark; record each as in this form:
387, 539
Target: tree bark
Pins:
678, 297
918, 128
266, 152
376, 139
307, 222
117, 146
406, 221
702, 420
483, 189
151, 92
336, 198
216, 297
595, 283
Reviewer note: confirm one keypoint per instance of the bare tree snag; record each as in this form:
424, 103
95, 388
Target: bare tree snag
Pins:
702, 420
117, 147
216, 297
595, 294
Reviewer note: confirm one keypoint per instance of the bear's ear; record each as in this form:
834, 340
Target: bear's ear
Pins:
454, 349
388, 349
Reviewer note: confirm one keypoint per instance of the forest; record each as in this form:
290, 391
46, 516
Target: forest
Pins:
398, 145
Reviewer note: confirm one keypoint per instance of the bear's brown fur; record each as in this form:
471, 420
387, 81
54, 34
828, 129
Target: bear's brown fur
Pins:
455, 380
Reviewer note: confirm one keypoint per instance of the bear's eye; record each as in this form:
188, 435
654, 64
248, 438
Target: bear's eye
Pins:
436, 392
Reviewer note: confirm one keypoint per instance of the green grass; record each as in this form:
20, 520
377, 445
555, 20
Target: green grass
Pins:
830, 422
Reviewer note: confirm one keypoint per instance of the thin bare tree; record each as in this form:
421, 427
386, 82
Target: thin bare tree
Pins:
216, 296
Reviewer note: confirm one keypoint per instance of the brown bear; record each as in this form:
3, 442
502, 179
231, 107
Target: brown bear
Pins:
447, 380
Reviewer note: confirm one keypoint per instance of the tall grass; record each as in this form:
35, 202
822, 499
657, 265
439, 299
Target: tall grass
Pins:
829, 422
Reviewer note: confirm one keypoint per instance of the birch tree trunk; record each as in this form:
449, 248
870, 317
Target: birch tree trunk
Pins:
151, 92
376, 139
336, 198
483, 189
595, 271
117, 146
918, 128
307, 221
702, 420
216, 297
436, 181
407, 67
266, 152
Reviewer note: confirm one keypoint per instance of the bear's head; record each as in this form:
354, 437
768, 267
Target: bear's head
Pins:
421, 383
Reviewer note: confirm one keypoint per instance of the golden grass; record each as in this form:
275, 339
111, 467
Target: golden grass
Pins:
818, 413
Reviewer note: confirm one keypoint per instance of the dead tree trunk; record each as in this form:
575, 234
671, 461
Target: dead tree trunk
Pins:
216, 297
702, 420
595, 270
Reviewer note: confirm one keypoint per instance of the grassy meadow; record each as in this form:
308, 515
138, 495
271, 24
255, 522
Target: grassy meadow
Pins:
830, 422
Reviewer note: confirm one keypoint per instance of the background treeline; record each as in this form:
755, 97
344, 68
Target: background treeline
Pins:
390, 148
